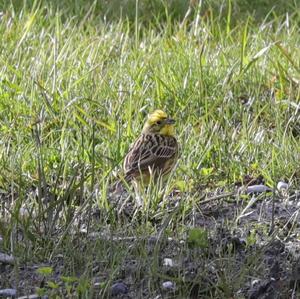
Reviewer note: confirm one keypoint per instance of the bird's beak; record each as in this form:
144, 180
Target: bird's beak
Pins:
170, 121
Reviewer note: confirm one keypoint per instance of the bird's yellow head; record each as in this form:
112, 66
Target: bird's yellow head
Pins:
158, 122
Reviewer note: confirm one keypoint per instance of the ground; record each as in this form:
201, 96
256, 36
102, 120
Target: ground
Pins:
226, 248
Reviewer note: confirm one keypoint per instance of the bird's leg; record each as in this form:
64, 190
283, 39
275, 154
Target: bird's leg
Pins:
137, 191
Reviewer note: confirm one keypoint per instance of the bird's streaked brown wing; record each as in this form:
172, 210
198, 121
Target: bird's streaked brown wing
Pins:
151, 151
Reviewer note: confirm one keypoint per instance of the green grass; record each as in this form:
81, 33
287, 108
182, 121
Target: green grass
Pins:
76, 82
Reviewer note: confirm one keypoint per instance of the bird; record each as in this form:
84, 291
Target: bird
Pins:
154, 153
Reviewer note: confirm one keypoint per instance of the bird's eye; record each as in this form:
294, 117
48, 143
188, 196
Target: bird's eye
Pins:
159, 122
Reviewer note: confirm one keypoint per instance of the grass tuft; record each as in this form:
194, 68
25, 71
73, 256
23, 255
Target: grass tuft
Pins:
77, 79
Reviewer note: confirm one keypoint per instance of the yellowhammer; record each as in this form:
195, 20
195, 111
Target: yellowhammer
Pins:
154, 153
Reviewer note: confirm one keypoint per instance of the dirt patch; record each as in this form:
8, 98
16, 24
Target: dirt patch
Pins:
242, 255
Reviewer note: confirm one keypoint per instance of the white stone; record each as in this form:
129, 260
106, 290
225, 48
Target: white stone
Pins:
6, 259
168, 285
33, 296
168, 262
8, 293
258, 189
282, 185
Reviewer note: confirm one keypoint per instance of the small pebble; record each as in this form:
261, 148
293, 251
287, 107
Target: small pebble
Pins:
33, 296
255, 282
168, 262
83, 230
258, 189
97, 284
168, 285
8, 293
59, 256
119, 288
282, 186
6, 259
